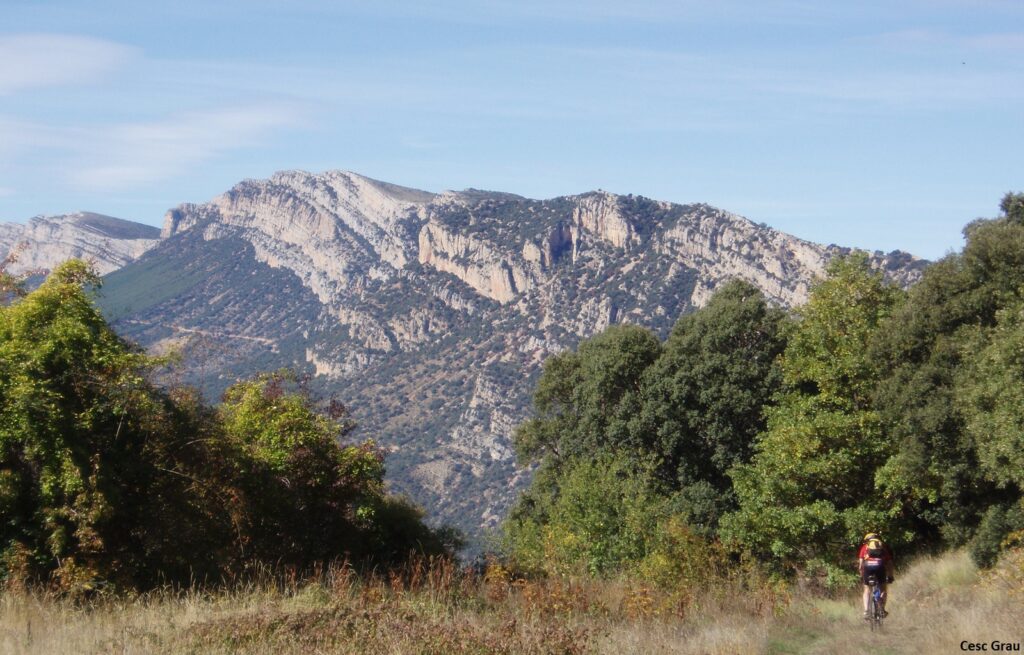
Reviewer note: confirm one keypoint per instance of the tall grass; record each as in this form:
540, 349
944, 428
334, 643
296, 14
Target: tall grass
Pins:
435, 607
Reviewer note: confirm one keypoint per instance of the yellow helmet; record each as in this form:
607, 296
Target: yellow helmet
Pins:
869, 536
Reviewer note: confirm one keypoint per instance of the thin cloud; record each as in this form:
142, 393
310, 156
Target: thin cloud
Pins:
902, 89
494, 12
135, 154
995, 42
854, 87
42, 60
1008, 41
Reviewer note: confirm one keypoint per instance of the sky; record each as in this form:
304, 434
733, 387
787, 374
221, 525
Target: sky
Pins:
878, 125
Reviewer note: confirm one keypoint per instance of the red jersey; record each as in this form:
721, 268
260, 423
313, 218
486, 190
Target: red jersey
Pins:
886, 553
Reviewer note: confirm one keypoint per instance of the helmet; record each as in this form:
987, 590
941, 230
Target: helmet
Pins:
869, 536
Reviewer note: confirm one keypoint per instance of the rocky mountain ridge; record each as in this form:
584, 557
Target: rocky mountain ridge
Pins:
45, 241
430, 314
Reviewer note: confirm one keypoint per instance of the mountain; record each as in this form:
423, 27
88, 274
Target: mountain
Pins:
45, 241
430, 314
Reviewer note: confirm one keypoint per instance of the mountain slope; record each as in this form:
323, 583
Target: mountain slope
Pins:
431, 313
45, 241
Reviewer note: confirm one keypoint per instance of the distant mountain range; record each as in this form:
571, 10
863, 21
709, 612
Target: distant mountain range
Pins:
44, 241
428, 314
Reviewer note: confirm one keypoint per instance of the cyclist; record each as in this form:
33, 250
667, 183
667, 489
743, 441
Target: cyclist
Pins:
875, 560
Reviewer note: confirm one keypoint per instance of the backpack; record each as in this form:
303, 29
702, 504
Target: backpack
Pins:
875, 548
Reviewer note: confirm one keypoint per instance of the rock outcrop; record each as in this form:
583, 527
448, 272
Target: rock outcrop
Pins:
430, 314
45, 241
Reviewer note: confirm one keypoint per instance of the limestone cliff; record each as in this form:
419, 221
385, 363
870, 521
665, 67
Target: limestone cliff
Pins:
45, 241
431, 313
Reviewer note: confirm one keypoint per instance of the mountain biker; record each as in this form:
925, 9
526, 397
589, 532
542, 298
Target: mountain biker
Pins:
875, 560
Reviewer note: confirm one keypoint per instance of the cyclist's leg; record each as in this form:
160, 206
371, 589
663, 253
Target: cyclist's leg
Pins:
867, 599
885, 593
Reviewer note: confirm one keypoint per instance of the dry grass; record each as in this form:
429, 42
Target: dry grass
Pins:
438, 609
934, 606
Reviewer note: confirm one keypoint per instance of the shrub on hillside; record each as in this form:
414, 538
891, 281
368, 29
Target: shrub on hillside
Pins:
106, 479
998, 524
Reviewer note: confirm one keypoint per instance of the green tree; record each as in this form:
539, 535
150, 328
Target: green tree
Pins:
624, 428
584, 400
106, 479
97, 468
304, 497
935, 472
1012, 206
603, 518
809, 492
990, 392
703, 400
989, 395
583, 404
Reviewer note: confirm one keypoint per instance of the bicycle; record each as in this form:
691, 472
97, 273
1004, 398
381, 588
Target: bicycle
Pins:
876, 613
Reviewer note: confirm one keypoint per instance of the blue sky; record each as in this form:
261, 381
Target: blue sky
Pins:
883, 125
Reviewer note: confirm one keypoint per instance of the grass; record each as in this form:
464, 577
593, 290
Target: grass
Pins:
439, 609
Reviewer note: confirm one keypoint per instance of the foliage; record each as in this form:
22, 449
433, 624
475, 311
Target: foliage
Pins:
305, 498
935, 347
806, 497
634, 438
106, 479
95, 463
991, 395
703, 399
585, 399
600, 519
1012, 206
886, 411
995, 531
679, 556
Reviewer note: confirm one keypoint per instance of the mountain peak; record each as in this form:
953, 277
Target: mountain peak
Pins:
427, 311
42, 242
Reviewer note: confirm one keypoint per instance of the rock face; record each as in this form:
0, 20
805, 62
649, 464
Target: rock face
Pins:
45, 241
430, 314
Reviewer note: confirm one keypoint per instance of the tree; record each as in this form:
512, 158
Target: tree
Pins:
703, 400
604, 517
809, 492
625, 428
97, 467
945, 323
1012, 206
990, 398
304, 498
990, 392
585, 400
106, 479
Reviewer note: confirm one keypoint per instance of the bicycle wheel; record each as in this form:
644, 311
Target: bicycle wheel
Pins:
876, 608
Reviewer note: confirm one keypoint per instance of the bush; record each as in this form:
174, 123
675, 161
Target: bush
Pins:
107, 480
598, 523
991, 538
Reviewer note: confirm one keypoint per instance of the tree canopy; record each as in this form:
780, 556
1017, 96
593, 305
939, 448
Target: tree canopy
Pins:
644, 429
107, 479
788, 437
809, 491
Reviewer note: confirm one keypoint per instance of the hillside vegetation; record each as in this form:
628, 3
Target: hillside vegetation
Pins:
109, 482
785, 438
431, 314
702, 494
937, 604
